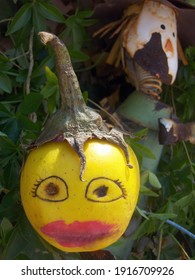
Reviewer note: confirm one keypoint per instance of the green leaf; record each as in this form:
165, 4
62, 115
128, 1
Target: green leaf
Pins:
5, 64
25, 243
7, 147
141, 213
142, 133
12, 129
78, 56
35, 248
5, 114
144, 177
14, 246
5, 226
89, 22
146, 191
147, 226
27, 124
39, 71
76, 30
31, 103
12, 174
21, 43
85, 96
5, 83
81, 18
51, 76
85, 13
51, 104
39, 22
49, 90
141, 149
5, 160
71, 20
185, 200
153, 180
9, 203
162, 216
49, 11
20, 19
78, 36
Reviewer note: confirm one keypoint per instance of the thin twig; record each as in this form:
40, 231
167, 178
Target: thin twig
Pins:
32, 116
31, 62
115, 122
19, 56
10, 60
98, 61
189, 159
180, 246
160, 244
5, 20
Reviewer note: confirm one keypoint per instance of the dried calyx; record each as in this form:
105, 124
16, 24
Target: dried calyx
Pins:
74, 121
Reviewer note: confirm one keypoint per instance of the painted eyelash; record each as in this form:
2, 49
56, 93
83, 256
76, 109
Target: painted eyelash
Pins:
120, 184
38, 182
34, 189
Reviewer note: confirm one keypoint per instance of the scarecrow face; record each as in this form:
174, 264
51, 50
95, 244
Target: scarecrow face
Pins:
151, 40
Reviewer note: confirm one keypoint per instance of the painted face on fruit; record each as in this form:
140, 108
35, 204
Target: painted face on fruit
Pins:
75, 215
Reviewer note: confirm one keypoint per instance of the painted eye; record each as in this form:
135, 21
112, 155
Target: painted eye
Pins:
53, 189
174, 34
163, 26
103, 189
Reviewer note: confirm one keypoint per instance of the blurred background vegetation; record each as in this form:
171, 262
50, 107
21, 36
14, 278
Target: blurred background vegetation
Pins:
29, 94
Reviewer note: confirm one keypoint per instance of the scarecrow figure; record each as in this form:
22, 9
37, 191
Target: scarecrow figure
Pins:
148, 47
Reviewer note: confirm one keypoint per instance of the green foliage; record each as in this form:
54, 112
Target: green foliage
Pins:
183, 89
26, 98
191, 2
76, 34
29, 92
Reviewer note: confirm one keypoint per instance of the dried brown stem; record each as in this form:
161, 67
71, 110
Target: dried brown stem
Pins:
31, 62
74, 121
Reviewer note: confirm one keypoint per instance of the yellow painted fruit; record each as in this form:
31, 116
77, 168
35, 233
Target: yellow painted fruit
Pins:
75, 215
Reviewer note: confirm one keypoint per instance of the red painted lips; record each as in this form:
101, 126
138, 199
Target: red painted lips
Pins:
77, 234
